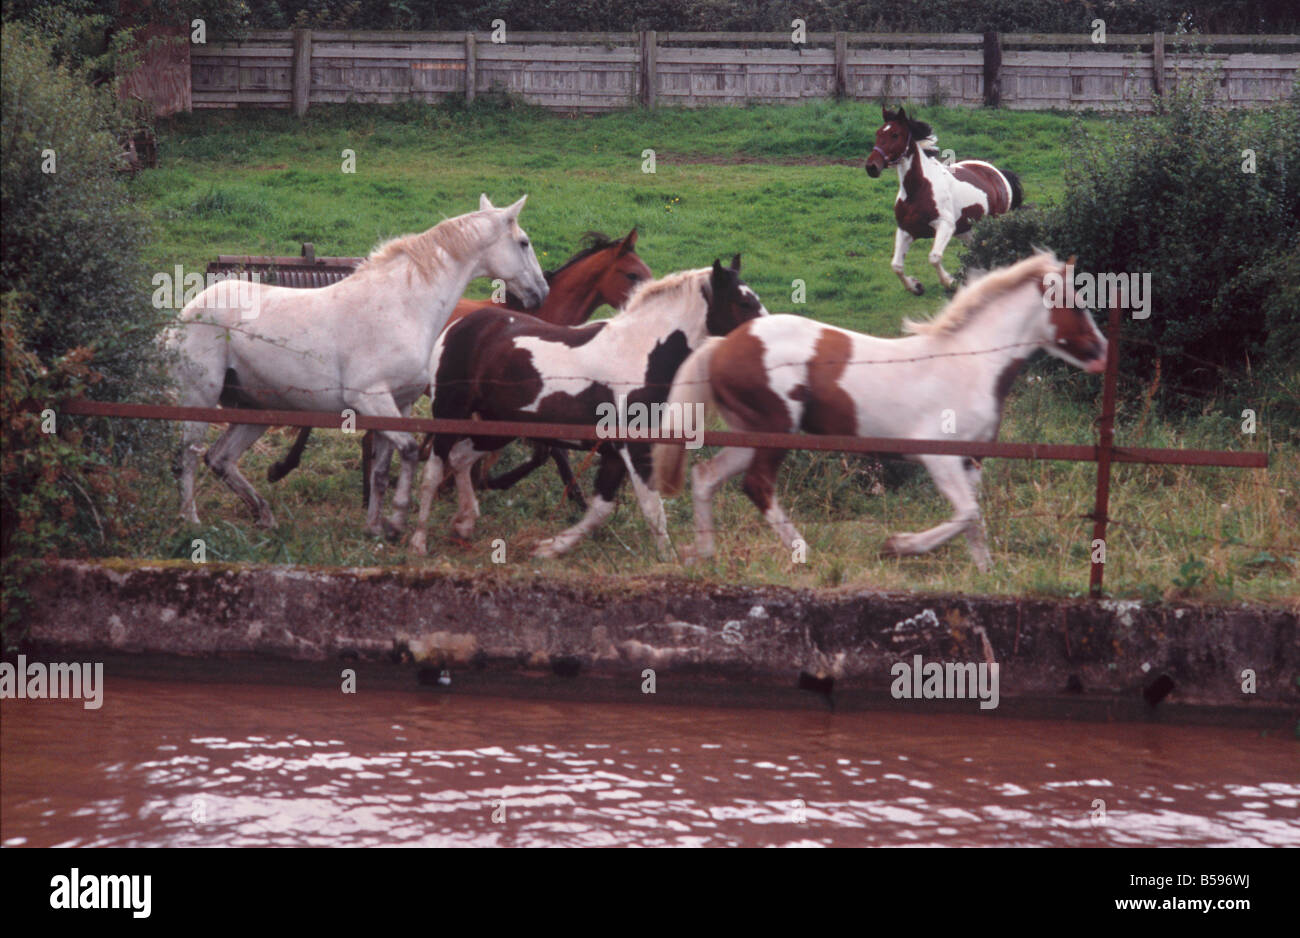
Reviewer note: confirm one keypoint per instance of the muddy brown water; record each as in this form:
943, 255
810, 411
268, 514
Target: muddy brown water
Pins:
220, 764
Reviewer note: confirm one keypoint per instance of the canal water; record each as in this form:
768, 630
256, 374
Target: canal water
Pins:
211, 764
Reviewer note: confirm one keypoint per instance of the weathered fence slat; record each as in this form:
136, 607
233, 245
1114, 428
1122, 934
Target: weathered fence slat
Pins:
990, 69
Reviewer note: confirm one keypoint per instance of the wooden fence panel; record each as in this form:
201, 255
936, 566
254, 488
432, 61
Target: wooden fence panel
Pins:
599, 72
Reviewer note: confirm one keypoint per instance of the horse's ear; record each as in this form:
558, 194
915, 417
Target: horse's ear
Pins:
628, 243
886, 114
735, 263
484, 203
902, 114
1070, 262
512, 212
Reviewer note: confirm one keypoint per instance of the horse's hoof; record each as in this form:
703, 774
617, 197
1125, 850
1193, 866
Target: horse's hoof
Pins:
892, 547
547, 549
267, 522
418, 547
919, 289
275, 473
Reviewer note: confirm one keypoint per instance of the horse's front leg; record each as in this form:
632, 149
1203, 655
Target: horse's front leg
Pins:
952, 480
943, 232
903, 241
608, 478
652, 507
434, 470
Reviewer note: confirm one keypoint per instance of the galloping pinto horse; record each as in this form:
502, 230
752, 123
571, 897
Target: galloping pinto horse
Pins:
362, 344
786, 373
503, 366
934, 200
604, 271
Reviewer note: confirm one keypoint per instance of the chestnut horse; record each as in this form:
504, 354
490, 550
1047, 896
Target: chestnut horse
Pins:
934, 200
786, 373
603, 271
502, 366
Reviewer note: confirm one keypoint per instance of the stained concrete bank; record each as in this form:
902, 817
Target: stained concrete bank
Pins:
455, 633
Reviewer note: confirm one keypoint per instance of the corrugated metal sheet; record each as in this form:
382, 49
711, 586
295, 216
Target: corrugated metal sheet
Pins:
307, 271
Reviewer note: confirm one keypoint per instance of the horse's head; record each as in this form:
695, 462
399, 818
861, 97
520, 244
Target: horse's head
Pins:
1070, 333
893, 139
731, 301
510, 256
621, 271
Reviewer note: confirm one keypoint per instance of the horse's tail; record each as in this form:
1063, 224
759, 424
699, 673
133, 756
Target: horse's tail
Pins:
690, 386
1017, 192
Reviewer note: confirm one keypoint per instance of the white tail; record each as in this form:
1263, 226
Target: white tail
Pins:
690, 386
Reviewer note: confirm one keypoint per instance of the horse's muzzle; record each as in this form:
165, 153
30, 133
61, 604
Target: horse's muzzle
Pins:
872, 169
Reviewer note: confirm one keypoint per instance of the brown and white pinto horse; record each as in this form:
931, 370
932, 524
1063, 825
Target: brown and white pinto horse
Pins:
604, 271
500, 365
934, 200
786, 373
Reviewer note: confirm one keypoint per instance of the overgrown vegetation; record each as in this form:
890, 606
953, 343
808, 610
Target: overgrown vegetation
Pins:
76, 314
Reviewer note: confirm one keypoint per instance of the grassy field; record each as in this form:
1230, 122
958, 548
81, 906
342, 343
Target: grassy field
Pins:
785, 188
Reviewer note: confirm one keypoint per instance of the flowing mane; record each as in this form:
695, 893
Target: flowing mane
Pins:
665, 289
429, 251
977, 294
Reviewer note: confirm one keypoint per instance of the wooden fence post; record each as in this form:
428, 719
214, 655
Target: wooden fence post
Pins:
1105, 447
992, 69
301, 71
841, 64
649, 68
1158, 63
471, 66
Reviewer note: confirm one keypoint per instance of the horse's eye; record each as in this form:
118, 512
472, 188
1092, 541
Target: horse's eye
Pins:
633, 277
523, 242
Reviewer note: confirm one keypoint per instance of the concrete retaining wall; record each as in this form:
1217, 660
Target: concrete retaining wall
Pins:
509, 634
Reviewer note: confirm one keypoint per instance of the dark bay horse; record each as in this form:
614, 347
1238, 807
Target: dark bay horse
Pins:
500, 365
934, 200
783, 374
604, 271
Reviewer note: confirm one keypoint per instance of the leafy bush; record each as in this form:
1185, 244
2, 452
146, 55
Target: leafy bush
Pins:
74, 291
1167, 194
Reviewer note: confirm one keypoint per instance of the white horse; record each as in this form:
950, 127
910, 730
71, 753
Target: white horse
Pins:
361, 345
950, 378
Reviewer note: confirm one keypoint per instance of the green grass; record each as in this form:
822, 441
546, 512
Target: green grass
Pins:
767, 182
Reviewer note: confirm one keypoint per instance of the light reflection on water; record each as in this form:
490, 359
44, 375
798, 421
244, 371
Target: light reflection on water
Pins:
207, 764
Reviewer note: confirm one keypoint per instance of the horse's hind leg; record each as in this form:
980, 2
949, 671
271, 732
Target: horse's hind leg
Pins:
951, 478
760, 486
223, 459
461, 459
608, 478
943, 233
571, 485
903, 241
706, 478
185, 464
277, 471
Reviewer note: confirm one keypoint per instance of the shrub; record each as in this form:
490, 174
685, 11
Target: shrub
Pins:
1166, 194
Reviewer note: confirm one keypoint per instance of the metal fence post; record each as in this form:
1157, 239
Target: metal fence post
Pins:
1105, 447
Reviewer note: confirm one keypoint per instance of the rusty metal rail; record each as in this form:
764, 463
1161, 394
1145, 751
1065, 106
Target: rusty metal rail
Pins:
1105, 453
575, 431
